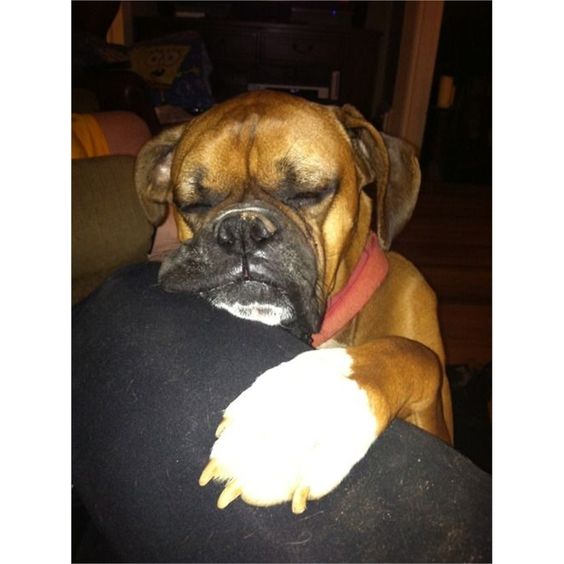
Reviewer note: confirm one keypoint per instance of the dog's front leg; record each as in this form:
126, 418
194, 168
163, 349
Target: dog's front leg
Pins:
402, 378
301, 427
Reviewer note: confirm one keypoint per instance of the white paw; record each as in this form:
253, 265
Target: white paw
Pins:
294, 434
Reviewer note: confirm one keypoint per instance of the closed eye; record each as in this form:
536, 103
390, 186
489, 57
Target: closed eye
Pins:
196, 207
305, 198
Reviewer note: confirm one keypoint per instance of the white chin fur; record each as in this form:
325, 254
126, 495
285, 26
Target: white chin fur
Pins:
263, 313
302, 423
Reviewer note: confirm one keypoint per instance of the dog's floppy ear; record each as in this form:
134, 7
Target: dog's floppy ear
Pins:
396, 200
152, 172
389, 162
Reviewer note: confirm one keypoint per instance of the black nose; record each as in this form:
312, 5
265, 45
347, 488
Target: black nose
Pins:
244, 232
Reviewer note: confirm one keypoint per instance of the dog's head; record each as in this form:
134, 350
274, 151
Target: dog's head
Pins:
267, 195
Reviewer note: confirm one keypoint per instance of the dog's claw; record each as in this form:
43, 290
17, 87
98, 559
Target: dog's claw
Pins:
208, 473
231, 492
220, 428
299, 499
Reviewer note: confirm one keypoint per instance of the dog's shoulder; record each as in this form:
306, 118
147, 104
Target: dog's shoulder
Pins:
403, 290
404, 277
400, 306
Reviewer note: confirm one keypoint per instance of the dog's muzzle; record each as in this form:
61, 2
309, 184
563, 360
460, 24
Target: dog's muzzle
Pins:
254, 262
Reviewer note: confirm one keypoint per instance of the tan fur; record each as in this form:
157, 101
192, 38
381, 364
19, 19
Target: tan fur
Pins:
395, 341
404, 306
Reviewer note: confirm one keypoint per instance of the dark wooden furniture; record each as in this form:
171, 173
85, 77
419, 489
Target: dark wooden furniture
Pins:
344, 61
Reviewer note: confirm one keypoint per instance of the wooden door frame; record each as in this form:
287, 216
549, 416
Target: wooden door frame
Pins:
416, 65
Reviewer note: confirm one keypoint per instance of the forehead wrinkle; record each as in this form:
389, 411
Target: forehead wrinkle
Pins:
239, 132
283, 155
217, 156
306, 140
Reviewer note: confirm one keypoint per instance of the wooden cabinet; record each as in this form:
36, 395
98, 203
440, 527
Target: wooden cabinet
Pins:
340, 63
301, 47
232, 45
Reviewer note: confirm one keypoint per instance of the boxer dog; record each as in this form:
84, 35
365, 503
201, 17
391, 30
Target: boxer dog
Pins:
267, 194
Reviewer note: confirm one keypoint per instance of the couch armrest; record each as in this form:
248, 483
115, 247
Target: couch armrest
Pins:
109, 228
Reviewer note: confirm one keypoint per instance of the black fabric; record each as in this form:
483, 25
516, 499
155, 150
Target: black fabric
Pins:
151, 374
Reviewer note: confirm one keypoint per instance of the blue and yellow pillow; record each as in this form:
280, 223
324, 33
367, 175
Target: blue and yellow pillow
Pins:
177, 69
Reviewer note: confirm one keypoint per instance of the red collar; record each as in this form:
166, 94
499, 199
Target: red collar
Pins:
370, 271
